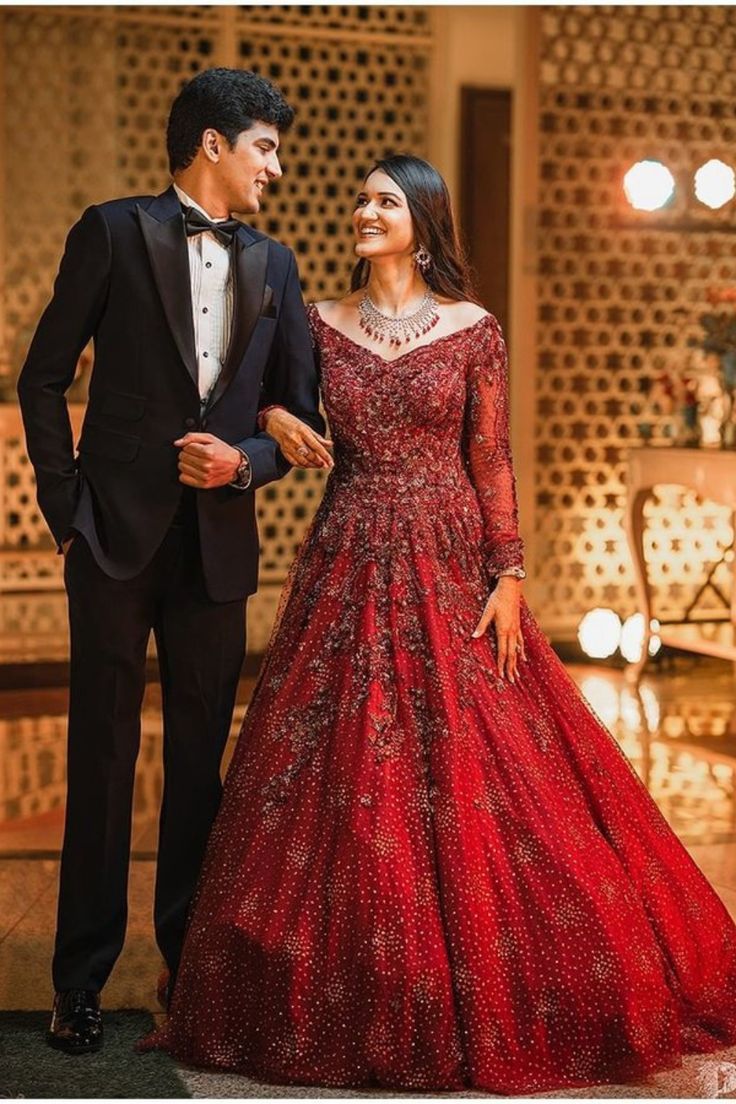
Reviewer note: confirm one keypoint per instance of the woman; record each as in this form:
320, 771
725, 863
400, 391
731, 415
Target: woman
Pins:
433, 867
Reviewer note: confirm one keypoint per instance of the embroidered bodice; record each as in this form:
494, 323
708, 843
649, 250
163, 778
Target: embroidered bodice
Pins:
429, 429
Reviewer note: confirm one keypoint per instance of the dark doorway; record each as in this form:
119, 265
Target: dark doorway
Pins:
485, 193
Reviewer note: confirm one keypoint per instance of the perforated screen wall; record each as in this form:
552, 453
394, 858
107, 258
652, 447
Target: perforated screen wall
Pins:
619, 292
84, 98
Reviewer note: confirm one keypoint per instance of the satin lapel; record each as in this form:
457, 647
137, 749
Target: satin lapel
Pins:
249, 280
167, 249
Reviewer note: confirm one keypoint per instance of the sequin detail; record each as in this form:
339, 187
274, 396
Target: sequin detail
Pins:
422, 876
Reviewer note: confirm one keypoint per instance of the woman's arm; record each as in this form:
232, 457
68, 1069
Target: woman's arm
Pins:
289, 417
488, 453
299, 441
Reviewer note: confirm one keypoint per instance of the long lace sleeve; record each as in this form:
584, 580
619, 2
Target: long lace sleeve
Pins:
488, 452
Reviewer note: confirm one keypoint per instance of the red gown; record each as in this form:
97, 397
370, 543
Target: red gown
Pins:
423, 876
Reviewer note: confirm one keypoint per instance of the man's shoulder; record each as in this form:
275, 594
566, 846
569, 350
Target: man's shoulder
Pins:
280, 250
118, 214
112, 207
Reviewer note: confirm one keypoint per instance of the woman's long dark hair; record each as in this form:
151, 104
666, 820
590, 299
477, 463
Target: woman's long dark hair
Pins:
434, 227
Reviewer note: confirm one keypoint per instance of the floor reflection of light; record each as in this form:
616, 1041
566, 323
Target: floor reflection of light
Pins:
602, 697
651, 705
631, 712
723, 773
631, 747
695, 794
677, 729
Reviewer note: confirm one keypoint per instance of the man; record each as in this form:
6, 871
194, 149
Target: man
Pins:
198, 324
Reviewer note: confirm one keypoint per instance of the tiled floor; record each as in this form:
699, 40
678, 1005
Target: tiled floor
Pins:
32, 749
679, 729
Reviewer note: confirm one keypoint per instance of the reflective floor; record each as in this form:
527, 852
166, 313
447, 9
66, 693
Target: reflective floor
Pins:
678, 729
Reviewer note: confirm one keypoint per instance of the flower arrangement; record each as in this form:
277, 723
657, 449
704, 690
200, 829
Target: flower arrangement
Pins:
719, 340
719, 327
672, 404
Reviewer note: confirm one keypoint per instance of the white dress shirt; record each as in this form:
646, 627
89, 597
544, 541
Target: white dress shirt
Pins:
211, 278
211, 281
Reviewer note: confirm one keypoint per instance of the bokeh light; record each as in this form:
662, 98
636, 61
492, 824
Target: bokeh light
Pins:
632, 637
648, 185
599, 632
715, 183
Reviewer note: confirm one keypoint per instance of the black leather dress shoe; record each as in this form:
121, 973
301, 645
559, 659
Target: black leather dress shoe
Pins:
76, 1022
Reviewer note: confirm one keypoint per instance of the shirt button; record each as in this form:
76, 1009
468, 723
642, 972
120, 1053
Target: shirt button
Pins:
208, 264
205, 354
205, 310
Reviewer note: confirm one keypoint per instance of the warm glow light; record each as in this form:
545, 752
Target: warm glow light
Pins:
640, 714
650, 703
632, 637
715, 183
648, 185
603, 698
599, 632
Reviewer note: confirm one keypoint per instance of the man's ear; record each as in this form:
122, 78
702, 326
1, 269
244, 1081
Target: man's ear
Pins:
211, 145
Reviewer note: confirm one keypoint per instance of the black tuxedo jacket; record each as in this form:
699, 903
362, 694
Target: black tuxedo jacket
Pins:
124, 280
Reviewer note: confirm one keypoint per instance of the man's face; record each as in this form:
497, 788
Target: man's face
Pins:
246, 169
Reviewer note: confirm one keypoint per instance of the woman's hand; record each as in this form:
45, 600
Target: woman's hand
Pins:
503, 608
299, 443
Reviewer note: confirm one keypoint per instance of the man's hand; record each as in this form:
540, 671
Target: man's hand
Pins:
299, 443
206, 461
503, 608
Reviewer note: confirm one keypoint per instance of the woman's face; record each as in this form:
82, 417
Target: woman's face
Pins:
382, 222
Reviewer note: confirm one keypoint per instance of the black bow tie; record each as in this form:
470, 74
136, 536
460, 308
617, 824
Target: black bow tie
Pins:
197, 223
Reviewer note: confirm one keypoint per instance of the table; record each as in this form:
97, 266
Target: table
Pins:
711, 473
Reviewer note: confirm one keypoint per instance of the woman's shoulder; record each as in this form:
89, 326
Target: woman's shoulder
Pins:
329, 307
465, 313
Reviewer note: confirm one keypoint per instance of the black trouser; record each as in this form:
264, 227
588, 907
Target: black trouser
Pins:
200, 647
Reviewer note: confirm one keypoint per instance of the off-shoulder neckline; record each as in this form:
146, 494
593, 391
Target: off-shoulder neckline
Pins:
402, 356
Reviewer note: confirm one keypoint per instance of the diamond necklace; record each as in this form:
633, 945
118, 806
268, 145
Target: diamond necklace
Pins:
398, 331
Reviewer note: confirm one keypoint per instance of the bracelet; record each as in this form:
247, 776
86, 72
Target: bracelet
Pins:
261, 419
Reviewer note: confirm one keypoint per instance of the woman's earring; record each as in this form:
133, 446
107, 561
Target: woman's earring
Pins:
423, 259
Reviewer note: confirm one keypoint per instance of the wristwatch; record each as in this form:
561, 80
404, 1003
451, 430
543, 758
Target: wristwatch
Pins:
243, 473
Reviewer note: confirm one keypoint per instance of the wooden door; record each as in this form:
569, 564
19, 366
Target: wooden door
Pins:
485, 193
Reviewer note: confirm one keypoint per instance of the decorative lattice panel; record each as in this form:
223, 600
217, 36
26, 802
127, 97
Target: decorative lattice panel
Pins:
354, 105
619, 292
397, 20
150, 69
87, 92
58, 97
